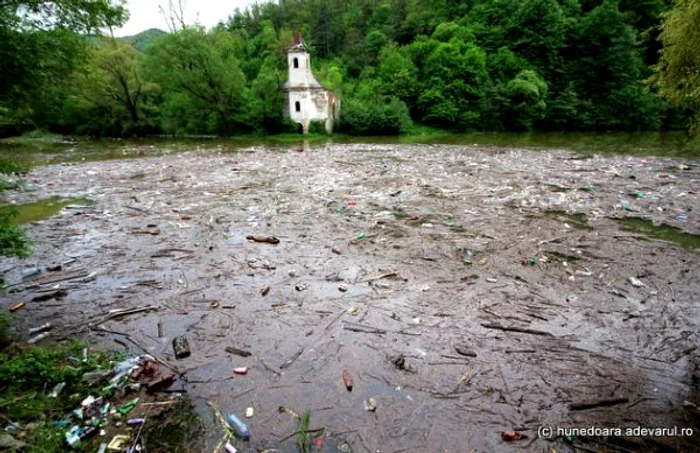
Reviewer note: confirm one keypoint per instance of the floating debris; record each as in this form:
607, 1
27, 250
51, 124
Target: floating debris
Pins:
262, 238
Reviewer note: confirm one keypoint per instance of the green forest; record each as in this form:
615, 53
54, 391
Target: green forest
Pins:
459, 65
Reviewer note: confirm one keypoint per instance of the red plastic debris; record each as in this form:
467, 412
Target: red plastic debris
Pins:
513, 435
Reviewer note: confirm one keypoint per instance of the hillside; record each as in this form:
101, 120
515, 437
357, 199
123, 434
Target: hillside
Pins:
141, 40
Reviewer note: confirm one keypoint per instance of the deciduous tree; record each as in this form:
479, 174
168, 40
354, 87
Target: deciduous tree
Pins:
679, 68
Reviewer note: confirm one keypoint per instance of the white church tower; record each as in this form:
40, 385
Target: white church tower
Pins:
306, 99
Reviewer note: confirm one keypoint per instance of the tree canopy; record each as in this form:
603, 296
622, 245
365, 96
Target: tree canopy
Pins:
679, 67
41, 44
456, 64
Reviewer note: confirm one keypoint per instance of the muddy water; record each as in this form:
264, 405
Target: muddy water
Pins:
442, 249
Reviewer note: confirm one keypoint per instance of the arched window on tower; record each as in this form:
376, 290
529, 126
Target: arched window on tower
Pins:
296, 62
297, 106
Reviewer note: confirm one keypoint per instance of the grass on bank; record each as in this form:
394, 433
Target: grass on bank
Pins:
13, 239
28, 374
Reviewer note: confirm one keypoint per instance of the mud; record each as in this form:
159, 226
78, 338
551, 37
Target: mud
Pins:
455, 284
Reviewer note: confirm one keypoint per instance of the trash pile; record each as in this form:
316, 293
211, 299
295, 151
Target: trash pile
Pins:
445, 292
119, 392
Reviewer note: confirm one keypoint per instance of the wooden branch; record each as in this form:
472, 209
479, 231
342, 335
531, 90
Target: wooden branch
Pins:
597, 402
516, 329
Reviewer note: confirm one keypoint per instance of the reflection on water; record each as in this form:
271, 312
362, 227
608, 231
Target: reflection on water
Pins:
671, 144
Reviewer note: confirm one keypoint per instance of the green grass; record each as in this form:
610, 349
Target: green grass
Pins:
305, 435
34, 136
27, 376
6, 322
13, 239
664, 232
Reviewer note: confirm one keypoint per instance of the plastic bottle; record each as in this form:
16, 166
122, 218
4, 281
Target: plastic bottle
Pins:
57, 390
30, 272
238, 426
126, 408
46, 326
38, 338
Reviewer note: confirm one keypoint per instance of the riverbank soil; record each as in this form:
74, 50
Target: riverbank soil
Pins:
470, 291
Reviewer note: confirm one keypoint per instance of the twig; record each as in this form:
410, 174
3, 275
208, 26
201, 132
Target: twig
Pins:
9, 421
455, 357
464, 379
379, 277
138, 433
354, 327
491, 312
238, 395
516, 329
160, 403
683, 353
641, 400
269, 368
597, 402
334, 320
120, 313
291, 360
14, 400
305, 431
547, 241
128, 337
79, 274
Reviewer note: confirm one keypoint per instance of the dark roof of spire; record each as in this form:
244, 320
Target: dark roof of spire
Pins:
297, 43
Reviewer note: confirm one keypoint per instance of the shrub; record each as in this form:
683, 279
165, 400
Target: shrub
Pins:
317, 127
387, 116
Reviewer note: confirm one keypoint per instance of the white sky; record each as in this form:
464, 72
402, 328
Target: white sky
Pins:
144, 14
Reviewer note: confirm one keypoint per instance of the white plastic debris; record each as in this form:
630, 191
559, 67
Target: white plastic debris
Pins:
636, 282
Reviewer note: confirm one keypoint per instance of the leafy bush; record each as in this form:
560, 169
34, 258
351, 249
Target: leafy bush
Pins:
27, 375
10, 167
13, 239
317, 127
388, 116
5, 333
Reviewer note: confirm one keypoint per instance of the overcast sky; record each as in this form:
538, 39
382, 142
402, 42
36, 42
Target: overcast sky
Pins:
144, 14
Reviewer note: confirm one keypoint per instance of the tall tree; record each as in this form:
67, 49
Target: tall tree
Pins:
201, 75
113, 84
679, 68
37, 47
455, 77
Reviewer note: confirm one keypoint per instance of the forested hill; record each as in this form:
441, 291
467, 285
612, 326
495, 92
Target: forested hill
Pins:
465, 65
142, 40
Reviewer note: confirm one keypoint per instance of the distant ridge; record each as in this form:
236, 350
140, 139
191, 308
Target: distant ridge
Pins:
141, 40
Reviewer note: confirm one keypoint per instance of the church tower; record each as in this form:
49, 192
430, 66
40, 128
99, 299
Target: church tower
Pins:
306, 99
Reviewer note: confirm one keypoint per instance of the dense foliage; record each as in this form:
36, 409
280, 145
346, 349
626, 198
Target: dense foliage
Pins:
679, 68
13, 239
456, 64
